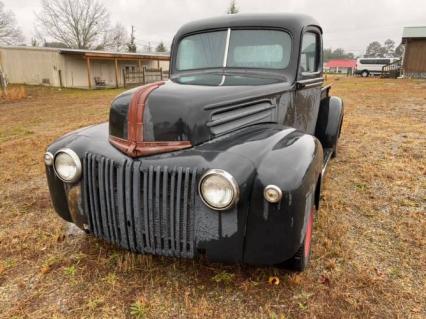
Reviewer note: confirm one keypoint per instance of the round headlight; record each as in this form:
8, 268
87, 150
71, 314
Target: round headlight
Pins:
218, 189
67, 165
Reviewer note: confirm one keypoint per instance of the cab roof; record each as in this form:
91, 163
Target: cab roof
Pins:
289, 21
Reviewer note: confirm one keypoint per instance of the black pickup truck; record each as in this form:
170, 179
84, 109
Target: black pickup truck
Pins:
224, 160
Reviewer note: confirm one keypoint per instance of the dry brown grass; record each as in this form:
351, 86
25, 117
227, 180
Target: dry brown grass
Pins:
13, 93
369, 240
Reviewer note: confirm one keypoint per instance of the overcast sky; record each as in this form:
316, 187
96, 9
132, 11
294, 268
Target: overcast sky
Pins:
349, 24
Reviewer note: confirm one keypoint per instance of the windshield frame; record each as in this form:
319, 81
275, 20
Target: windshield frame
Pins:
278, 71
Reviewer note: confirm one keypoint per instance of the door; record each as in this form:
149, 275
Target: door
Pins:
309, 81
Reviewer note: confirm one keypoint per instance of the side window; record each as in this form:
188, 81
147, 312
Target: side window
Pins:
309, 57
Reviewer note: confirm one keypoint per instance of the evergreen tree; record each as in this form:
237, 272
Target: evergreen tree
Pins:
161, 47
399, 51
233, 9
131, 45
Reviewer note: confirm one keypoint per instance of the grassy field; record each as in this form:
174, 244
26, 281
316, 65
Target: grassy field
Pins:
369, 255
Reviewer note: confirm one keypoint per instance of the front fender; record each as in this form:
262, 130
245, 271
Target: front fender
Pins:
329, 121
57, 188
275, 231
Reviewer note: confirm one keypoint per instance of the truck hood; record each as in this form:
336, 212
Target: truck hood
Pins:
197, 109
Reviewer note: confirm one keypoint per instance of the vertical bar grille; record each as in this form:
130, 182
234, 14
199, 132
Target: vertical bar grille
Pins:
143, 209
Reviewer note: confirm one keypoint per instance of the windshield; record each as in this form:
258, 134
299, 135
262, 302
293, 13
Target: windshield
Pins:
261, 49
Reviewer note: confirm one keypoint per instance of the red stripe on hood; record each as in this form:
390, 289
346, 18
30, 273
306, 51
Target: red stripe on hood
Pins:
135, 145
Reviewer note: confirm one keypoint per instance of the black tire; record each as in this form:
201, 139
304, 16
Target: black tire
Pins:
300, 260
365, 73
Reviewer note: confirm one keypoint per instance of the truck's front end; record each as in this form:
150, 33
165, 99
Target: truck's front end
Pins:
200, 164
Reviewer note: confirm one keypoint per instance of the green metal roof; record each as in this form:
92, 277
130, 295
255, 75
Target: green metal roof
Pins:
414, 32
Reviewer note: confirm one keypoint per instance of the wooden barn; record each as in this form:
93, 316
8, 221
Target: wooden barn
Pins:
414, 63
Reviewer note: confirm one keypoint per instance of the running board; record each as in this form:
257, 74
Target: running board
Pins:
327, 156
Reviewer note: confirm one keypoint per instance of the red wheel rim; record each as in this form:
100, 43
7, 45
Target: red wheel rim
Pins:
309, 232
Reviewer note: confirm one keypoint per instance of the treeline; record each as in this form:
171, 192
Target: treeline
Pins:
374, 50
339, 53
388, 50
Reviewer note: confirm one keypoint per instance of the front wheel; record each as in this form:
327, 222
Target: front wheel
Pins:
300, 260
364, 73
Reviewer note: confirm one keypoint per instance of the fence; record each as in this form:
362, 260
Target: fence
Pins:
144, 76
392, 70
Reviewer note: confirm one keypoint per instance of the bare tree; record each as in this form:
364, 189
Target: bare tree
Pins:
389, 46
148, 47
374, 49
10, 33
76, 23
114, 39
233, 9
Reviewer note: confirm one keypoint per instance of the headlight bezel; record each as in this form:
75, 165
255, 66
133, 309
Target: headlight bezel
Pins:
75, 158
229, 179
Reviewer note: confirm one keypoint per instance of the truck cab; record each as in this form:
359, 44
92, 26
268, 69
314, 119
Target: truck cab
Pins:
224, 160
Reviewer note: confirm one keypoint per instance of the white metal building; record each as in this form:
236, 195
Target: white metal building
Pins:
74, 68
